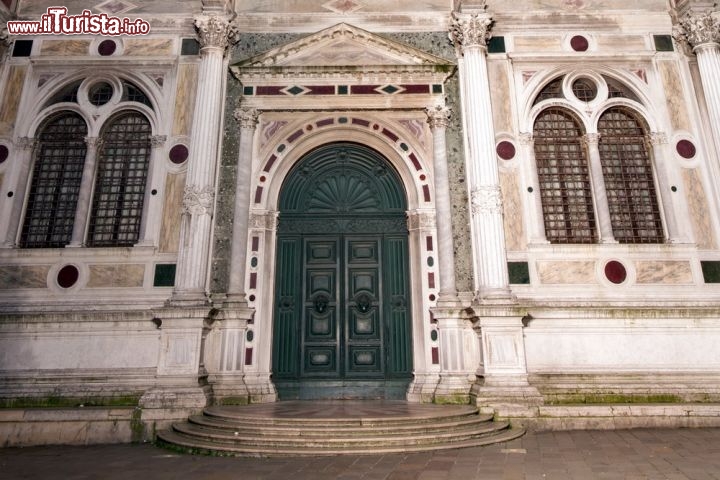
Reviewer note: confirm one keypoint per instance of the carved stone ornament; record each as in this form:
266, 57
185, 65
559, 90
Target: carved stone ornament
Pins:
699, 29
158, 140
657, 138
216, 31
526, 139
486, 199
93, 142
421, 221
470, 31
263, 221
438, 116
25, 143
198, 201
247, 117
591, 139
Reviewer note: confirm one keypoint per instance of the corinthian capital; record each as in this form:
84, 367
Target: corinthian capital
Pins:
247, 117
438, 116
468, 31
591, 139
699, 29
215, 31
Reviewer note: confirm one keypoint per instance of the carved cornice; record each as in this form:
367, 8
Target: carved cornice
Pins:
438, 116
215, 31
247, 117
197, 200
698, 29
486, 200
467, 31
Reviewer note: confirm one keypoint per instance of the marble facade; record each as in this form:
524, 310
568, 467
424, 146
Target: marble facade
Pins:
239, 92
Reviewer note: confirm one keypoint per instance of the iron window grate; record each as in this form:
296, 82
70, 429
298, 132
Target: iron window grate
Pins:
55, 184
629, 181
120, 182
564, 178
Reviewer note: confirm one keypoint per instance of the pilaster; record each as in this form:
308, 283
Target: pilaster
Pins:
536, 219
152, 203
11, 209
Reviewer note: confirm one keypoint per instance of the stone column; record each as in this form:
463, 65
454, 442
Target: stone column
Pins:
602, 212
248, 119
470, 33
439, 119
658, 148
85, 194
702, 32
152, 204
215, 34
534, 205
11, 208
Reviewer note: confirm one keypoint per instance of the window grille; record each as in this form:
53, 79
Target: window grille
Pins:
551, 90
55, 184
120, 182
133, 93
629, 181
618, 90
584, 89
100, 93
564, 178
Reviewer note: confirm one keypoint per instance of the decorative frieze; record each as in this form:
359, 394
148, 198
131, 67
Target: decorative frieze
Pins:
197, 200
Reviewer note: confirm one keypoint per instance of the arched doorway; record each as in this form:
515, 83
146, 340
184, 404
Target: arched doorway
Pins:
342, 326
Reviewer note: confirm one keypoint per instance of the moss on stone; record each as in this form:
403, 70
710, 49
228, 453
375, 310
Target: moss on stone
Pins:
611, 399
69, 402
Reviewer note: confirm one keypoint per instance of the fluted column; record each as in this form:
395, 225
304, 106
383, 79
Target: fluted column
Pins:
215, 35
602, 213
535, 211
439, 119
11, 208
470, 33
702, 32
247, 119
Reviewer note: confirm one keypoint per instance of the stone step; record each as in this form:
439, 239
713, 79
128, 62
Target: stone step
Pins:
172, 439
442, 414
333, 429
347, 439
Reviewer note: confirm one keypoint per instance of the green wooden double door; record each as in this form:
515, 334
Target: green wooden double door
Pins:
342, 326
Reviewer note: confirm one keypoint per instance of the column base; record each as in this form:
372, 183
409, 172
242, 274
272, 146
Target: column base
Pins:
188, 299
422, 388
260, 388
454, 388
228, 389
173, 398
506, 400
496, 296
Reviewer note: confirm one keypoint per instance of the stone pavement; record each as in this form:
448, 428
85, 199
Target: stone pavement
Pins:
582, 455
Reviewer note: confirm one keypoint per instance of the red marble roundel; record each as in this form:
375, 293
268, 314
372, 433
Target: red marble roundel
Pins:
68, 276
107, 48
615, 272
4, 153
505, 150
178, 154
579, 43
686, 149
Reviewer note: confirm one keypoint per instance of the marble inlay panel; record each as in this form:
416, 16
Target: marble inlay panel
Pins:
616, 43
699, 211
154, 47
116, 275
514, 227
500, 88
65, 47
675, 94
23, 276
172, 212
675, 272
11, 99
566, 272
185, 99
536, 43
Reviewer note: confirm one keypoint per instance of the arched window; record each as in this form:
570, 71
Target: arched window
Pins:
627, 171
123, 161
56, 182
564, 178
